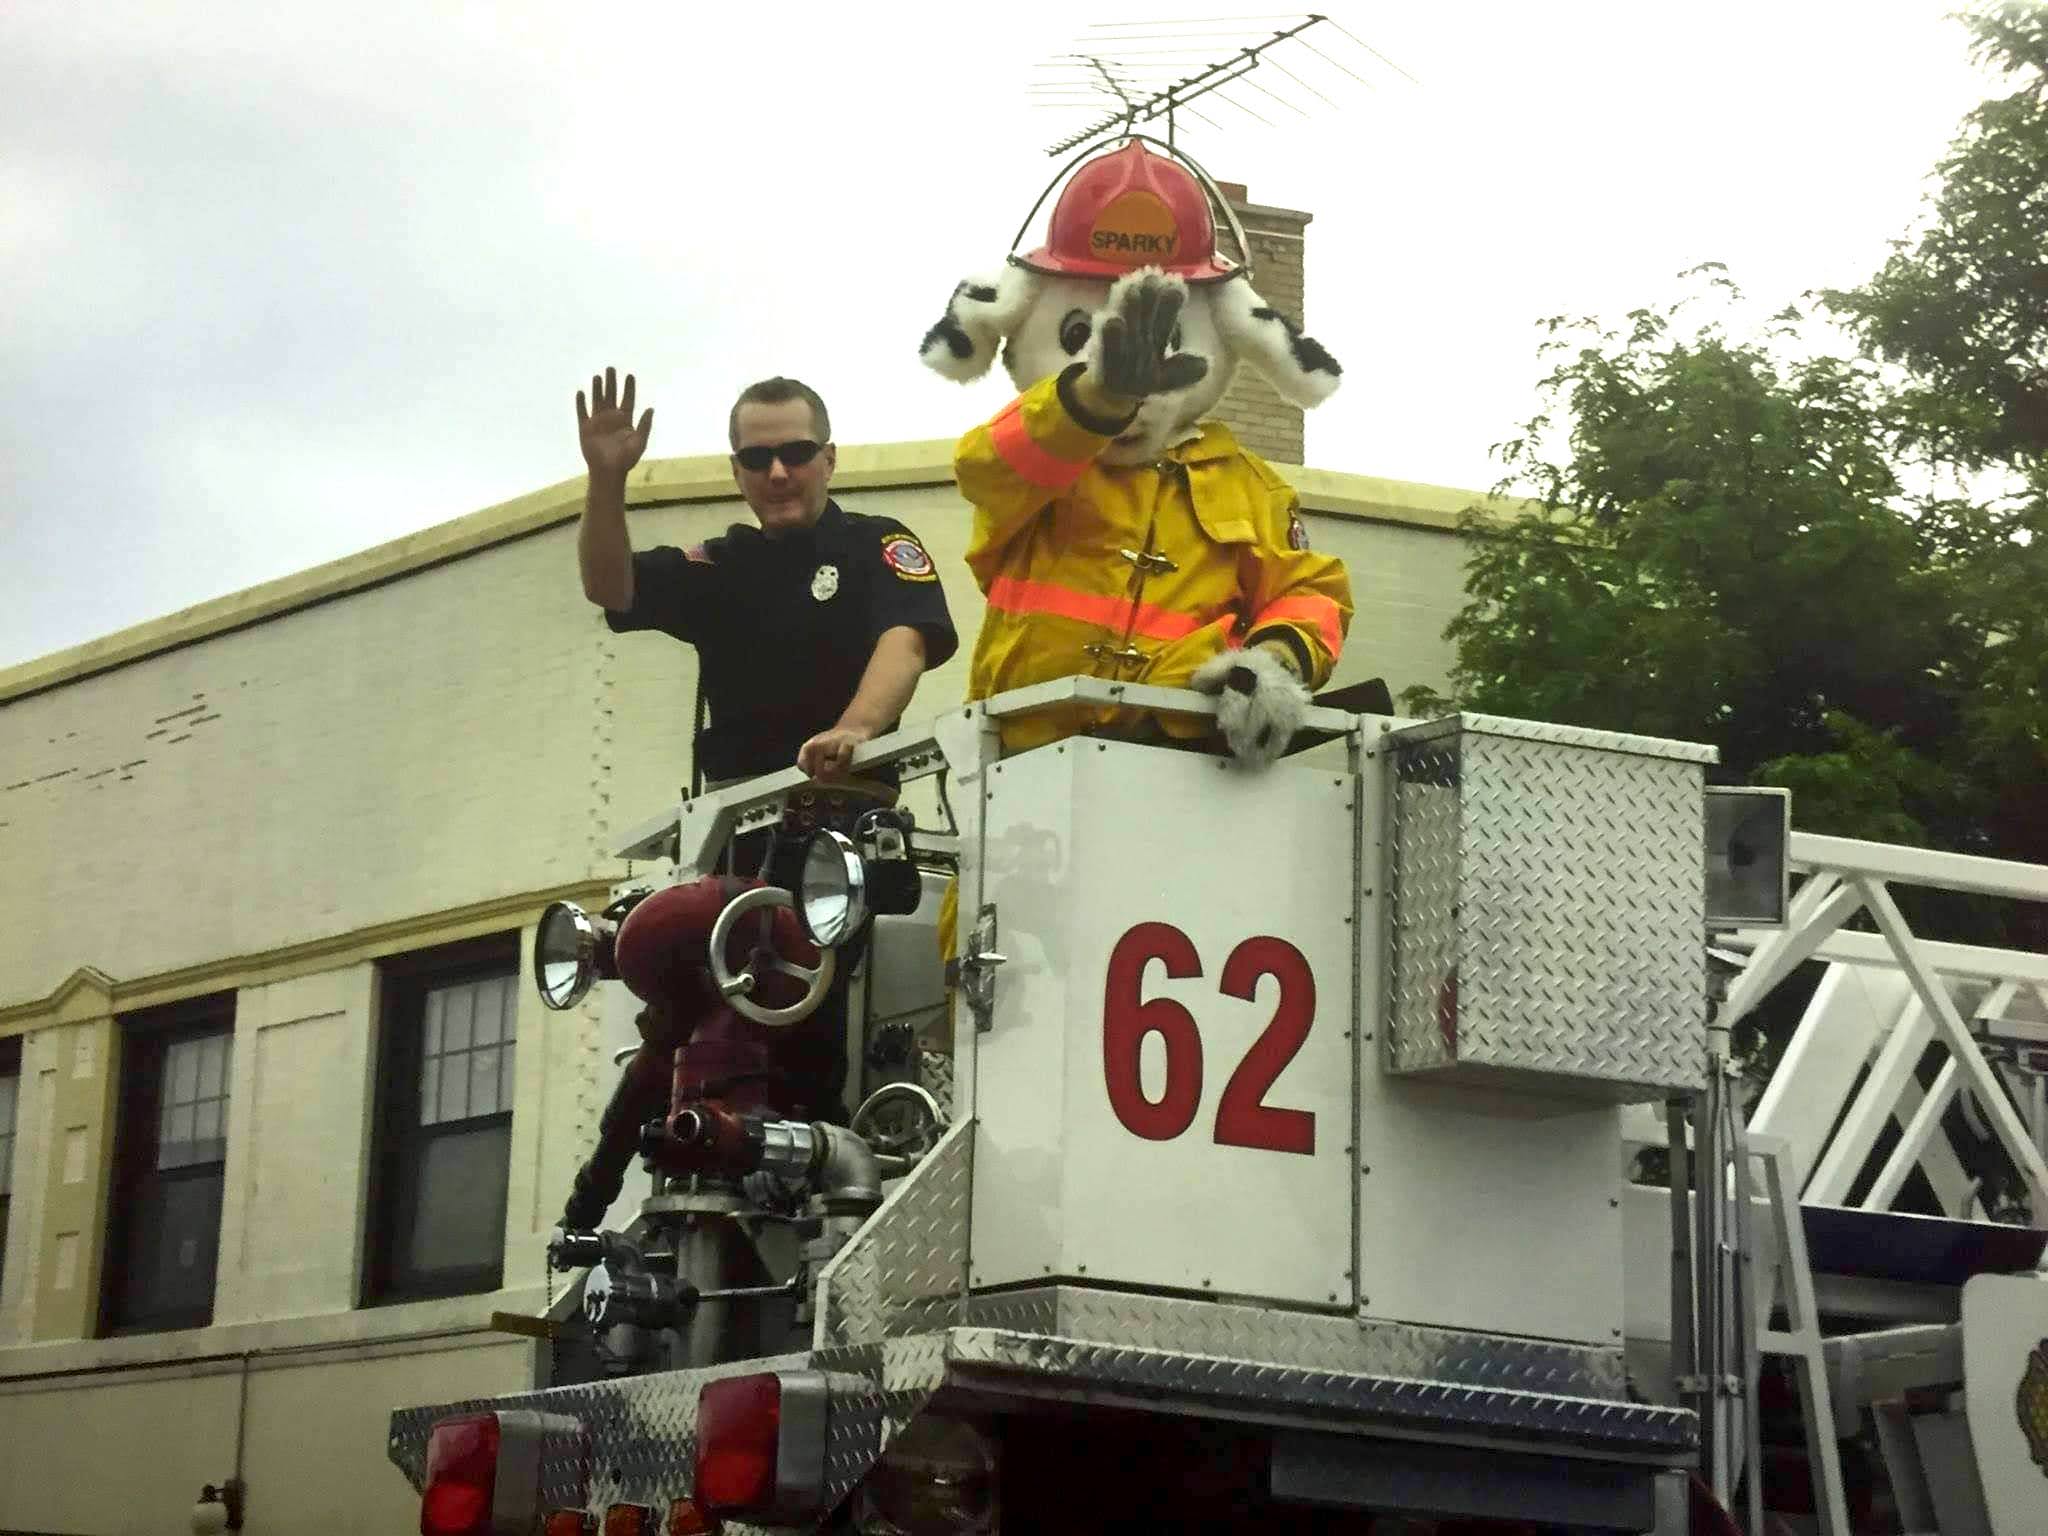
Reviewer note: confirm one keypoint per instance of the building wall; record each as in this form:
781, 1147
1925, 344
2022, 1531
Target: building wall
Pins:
270, 795
1266, 424
412, 747
127, 1455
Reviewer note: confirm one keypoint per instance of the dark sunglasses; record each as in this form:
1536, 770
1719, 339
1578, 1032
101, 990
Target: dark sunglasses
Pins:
794, 455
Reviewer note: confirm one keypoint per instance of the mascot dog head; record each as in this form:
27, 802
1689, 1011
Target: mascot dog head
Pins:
1122, 214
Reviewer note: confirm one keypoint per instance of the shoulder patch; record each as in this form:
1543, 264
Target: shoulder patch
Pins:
1297, 535
907, 558
699, 554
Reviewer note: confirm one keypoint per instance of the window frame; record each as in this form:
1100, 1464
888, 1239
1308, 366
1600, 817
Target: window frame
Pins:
398, 1136
145, 1041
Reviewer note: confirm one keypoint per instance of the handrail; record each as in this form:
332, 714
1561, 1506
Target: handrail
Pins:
1821, 1079
915, 750
1920, 866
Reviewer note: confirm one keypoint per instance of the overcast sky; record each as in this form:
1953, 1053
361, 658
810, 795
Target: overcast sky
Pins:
279, 282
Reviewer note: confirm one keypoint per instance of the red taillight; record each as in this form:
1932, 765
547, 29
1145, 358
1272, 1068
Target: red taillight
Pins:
566, 1522
629, 1520
739, 1420
686, 1519
462, 1472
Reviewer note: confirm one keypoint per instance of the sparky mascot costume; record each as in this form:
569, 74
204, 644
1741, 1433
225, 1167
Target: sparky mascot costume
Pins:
1117, 534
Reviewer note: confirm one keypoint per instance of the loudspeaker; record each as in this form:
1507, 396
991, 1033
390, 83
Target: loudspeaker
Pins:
1749, 833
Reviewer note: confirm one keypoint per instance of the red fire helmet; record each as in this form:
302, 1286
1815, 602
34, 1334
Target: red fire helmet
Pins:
1128, 209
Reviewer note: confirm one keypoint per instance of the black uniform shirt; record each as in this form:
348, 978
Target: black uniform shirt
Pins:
785, 627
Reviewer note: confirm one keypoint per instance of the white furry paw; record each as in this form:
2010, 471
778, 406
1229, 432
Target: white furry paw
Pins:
1259, 703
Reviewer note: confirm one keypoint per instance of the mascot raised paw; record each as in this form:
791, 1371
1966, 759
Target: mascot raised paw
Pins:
1118, 532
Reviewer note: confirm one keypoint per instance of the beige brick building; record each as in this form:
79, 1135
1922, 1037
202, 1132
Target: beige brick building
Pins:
1265, 423
266, 866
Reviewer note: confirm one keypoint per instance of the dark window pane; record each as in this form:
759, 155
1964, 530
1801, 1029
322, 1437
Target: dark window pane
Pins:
483, 1081
209, 1130
164, 1220
193, 1126
461, 1007
454, 1089
459, 1216
485, 1031
466, 1035
213, 1065
443, 1123
175, 1147
9, 1089
181, 1069
173, 1243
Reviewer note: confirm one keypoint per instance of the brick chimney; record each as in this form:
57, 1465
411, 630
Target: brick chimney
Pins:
1263, 422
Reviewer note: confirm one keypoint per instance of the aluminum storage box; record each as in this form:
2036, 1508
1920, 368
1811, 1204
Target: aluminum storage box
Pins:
1546, 908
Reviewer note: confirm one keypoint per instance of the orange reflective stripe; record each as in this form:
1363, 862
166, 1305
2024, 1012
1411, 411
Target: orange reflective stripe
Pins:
1021, 451
1318, 613
1016, 594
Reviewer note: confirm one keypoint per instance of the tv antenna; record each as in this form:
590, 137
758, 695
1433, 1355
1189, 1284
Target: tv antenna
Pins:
1146, 71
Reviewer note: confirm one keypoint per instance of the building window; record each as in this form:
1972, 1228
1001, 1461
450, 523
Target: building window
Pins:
10, 1116
444, 1122
170, 1166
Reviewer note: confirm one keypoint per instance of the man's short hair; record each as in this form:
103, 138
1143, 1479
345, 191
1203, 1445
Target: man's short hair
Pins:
779, 391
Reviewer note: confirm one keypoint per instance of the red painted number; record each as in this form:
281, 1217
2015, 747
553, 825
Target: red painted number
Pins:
1243, 1118
1127, 1019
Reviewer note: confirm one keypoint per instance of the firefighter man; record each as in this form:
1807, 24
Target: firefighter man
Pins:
811, 630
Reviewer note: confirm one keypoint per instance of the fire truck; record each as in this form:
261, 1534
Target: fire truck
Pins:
1353, 1144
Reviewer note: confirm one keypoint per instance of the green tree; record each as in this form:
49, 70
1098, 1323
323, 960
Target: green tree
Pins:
1960, 312
1714, 545
1962, 305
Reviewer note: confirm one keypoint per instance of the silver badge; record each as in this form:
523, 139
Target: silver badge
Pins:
825, 582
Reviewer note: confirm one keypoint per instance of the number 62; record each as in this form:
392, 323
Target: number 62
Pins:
1243, 1118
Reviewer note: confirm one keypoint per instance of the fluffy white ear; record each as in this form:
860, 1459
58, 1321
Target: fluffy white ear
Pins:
980, 315
1294, 364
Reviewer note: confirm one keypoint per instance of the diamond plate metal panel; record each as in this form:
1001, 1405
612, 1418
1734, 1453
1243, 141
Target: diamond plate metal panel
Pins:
877, 1390
1158, 1377
1305, 1340
906, 1269
935, 1073
640, 1440
1546, 907
1452, 726
640, 1432
1424, 866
